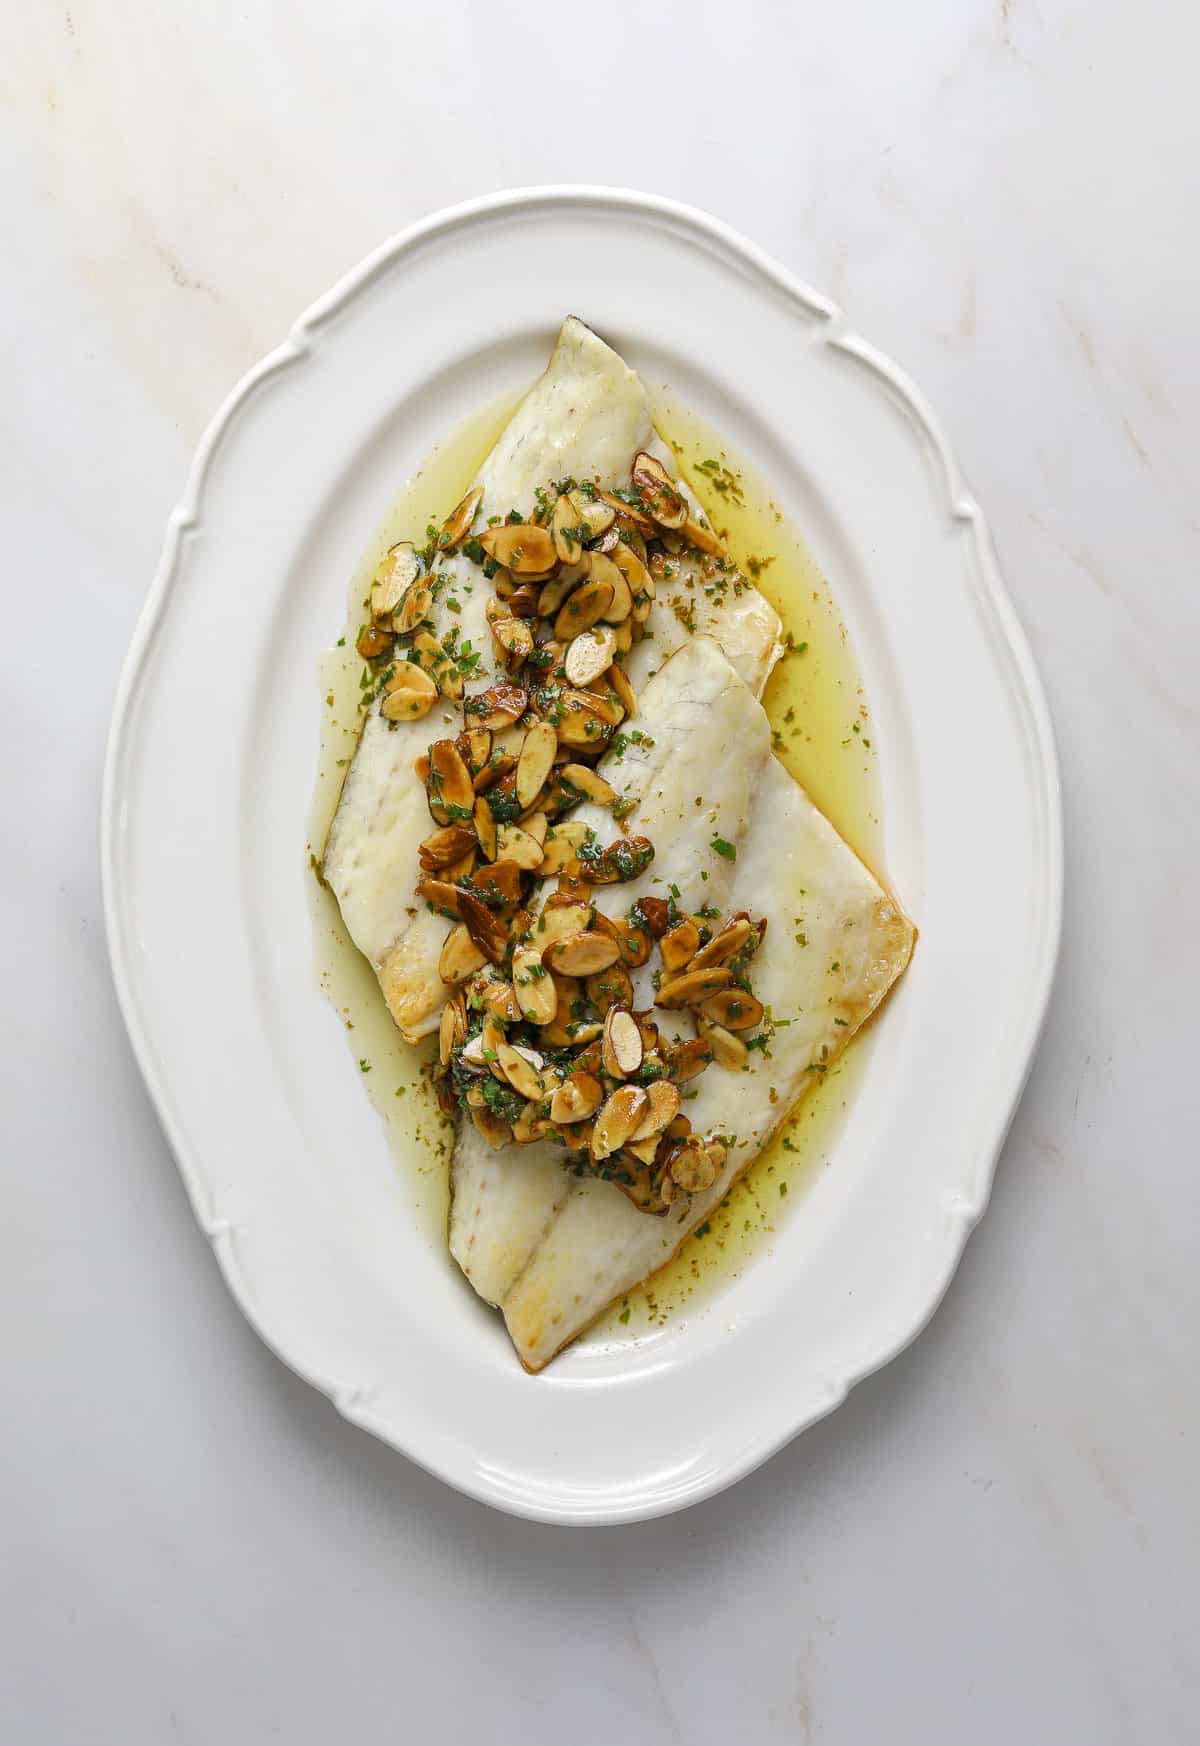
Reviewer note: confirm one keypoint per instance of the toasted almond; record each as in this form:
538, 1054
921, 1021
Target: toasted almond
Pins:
499, 1000
644, 1151
521, 1072
522, 547
633, 568
499, 883
490, 1041
485, 928
658, 491
679, 945
421, 767
695, 1165
536, 824
623, 859
628, 515
498, 766
475, 748
504, 585
581, 954
624, 634
727, 1050
485, 829
515, 638
440, 895
560, 919
702, 538
460, 956
438, 664
622, 1050
452, 1027
536, 761
589, 654
457, 525
562, 844
664, 1101
605, 574
692, 987
585, 720
413, 609
515, 844
559, 1033
409, 695
587, 783
497, 707
723, 946
732, 1008
618, 679
608, 542
529, 1127
609, 988
635, 943
565, 524
533, 986
372, 641
399, 570
525, 601
496, 1132
555, 591
576, 1099
457, 871
617, 1120
679, 1129
592, 511
638, 617
448, 785
656, 913
445, 846
685, 1060
584, 606
472, 1054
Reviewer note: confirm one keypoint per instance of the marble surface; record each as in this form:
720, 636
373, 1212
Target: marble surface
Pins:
996, 1539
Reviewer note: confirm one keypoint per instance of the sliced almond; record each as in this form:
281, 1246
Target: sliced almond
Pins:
623, 859
727, 1050
475, 749
472, 1054
460, 957
588, 785
440, 895
618, 1118
656, 913
497, 707
536, 824
457, 525
565, 525
415, 607
680, 944
448, 785
609, 988
702, 538
498, 766
536, 761
452, 1027
629, 515
499, 999
460, 870
562, 844
732, 1008
485, 928
495, 1131
515, 844
605, 574
581, 954
522, 547
515, 638
499, 883
591, 601
533, 986
658, 491
695, 1165
732, 939
410, 694
635, 943
624, 633
445, 846
622, 1049
520, 1072
525, 601
664, 1101
590, 654
692, 987
490, 1041
438, 664
485, 829
529, 1127
555, 591
644, 1151
592, 511
634, 570
399, 570
559, 1033
372, 641
618, 679
558, 920
685, 1060
576, 1099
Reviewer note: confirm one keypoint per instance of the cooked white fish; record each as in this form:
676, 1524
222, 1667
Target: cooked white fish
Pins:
595, 1245
697, 707
585, 417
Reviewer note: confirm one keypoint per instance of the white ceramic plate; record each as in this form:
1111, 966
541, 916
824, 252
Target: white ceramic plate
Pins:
210, 774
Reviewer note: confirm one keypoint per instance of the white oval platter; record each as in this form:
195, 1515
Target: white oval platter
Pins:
210, 774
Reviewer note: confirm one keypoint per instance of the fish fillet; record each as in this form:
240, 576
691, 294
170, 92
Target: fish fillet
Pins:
585, 417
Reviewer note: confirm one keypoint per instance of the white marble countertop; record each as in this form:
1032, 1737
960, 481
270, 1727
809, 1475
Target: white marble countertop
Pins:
996, 1539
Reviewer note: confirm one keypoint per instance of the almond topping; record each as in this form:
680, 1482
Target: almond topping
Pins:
460, 957
609, 988
452, 1027
732, 1008
409, 695
438, 664
414, 608
696, 1165
622, 1052
704, 540
606, 574
576, 1099
533, 986
591, 653
680, 944
515, 638
439, 894
485, 829
536, 761
589, 602
618, 1119
692, 987
658, 491
518, 1067
515, 844
732, 939
628, 515
448, 785
581, 954
458, 524
398, 571
618, 678
445, 846
565, 524
372, 641
523, 548
664, 1099
497, 707
685, 1060
486, 929
728, 1050
592, 512
585, 780
562, 844
558, 920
